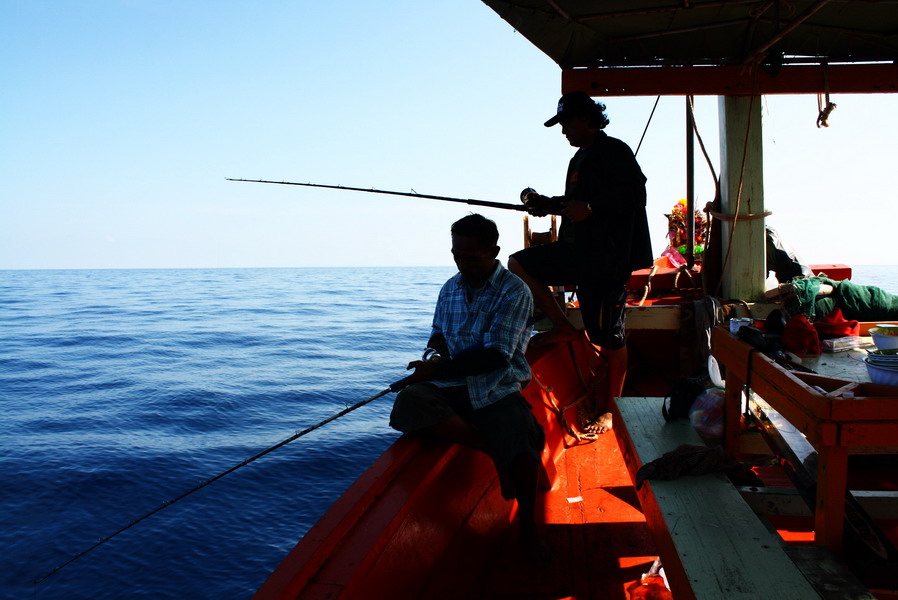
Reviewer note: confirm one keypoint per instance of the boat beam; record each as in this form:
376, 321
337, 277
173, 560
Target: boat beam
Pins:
731, 80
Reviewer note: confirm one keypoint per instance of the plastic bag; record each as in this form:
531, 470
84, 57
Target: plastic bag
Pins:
706, 413
674, 257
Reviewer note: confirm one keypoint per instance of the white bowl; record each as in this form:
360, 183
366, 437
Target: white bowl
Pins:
885, 341
882, 376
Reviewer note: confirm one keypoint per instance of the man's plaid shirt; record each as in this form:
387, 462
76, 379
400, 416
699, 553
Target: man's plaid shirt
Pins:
497, 316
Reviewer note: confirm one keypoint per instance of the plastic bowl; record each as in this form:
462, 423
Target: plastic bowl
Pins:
882, 376
885, 338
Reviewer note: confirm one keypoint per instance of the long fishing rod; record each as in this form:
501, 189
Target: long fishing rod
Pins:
395, 387
502, 205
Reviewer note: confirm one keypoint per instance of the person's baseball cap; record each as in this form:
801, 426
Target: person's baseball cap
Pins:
572, 104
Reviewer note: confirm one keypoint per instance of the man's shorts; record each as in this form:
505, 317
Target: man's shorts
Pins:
508, 426
602, 301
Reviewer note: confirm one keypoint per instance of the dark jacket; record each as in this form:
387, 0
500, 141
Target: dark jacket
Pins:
614, 240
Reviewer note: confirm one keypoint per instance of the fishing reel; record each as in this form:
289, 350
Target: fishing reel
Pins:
529, 197
539, 205
431, 355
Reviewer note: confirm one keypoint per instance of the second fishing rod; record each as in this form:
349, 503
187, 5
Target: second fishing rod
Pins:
529, 197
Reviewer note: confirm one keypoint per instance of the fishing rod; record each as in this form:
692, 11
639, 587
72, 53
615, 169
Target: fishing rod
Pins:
412, 194
394, 387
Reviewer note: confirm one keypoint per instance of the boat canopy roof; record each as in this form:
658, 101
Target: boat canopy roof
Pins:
717, 47
615, 33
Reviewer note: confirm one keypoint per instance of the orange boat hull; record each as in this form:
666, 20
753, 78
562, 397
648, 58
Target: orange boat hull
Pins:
426, 520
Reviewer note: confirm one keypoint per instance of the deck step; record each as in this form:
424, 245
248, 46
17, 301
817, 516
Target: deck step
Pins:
712, 544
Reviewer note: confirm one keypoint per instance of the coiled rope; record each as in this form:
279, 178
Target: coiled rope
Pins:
394, 387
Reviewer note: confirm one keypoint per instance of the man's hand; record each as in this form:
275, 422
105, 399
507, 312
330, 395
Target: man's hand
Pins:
576, 210
424, 371
538, 205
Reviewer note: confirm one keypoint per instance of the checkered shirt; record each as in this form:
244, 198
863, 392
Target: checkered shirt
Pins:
497, 316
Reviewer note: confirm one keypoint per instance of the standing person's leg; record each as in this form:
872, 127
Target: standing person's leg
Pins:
603, 311
542, 266
617, 371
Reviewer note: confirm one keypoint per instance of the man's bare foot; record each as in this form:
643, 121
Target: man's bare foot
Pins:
603, 424
555, 336
587, 422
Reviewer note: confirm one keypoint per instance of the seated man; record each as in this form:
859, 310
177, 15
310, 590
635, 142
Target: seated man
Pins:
470, 391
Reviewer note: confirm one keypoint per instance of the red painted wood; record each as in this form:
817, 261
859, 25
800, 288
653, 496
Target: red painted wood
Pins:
307, 556
427, 521
406, 557
832, 481
835, 271
832, 425
730, 80
866, 327
388, 520
666, 278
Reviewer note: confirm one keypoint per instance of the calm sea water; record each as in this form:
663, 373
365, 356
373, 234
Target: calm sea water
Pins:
121, 390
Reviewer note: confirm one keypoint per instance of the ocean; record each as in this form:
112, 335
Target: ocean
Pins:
124, 389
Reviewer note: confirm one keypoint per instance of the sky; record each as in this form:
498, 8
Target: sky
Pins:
121, 119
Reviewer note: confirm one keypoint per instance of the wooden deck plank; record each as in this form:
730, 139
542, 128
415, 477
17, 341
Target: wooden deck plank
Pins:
411, 524
619, 543
601, 543
508, 578
580, 462
460, 572
711, 543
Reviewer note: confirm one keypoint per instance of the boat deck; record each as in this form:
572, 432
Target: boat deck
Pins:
593, 525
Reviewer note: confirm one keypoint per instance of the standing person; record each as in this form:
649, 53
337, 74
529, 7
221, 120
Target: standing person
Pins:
471, 394
604, 237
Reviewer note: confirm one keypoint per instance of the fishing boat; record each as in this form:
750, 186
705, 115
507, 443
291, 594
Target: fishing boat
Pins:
427, 519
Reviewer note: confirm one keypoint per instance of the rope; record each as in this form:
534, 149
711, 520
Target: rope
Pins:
394, 387
647, 126
701, 144
734, 218
548, 394
823, 112
559, 410
648, 285
680, 270
586, 420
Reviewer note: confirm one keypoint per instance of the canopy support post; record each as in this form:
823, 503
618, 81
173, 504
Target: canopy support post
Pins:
690, 185
742, 195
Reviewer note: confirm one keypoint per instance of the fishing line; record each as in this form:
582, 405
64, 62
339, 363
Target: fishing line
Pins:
393, 388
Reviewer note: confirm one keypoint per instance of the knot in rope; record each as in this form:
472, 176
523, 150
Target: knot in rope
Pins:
824, 111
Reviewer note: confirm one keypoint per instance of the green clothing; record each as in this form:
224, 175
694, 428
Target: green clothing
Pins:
858, 302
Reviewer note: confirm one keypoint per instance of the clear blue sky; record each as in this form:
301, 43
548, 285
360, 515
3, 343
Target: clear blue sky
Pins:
120, 120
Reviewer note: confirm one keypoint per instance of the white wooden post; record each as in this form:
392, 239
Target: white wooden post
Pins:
745, 269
